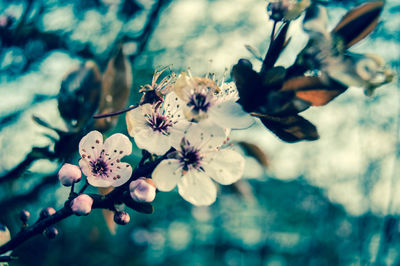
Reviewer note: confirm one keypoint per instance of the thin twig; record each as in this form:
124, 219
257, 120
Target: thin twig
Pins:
115, 113
84, 187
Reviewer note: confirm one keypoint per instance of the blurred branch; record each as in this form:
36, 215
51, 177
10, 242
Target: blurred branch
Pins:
31, 195
11, 117
35, 154
148, 29
7, 258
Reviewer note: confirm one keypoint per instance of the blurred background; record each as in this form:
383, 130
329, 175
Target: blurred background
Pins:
333, 201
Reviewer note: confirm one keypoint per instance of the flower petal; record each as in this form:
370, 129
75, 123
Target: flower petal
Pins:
182, 84
197, 188
98, 181
173, 106
91, 145
85, 167
120, 174
225, 166
153, 142
135, 119
205, 137
167, 174
230, 114
117, 146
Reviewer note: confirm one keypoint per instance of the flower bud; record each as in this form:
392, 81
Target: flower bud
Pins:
4, 234
82, 205
69, 174
286, 10
47, 212
50, 232
24, 215
121, 218
142, 190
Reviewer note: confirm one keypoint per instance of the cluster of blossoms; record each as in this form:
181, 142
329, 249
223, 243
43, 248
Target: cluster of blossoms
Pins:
186, 121
191, 120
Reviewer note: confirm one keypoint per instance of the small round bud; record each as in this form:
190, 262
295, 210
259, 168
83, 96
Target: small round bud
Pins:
4, 234
50, 232
121, 218
286, 10
82, 205
142, 190
69, 174
24, 215
47, 212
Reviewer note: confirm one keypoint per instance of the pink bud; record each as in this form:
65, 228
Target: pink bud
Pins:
82, 205
47, 212
142, 190
50, 232
69, 174
121, 218
24, 215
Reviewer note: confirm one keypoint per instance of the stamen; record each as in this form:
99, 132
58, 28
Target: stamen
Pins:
189, 157
99, 168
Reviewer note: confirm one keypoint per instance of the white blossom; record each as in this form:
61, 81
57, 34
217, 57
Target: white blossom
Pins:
156, 127
101, 163
205, 100
197, 160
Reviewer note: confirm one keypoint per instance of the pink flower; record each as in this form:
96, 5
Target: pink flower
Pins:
69, 174
82, 205
101, 163
142, 190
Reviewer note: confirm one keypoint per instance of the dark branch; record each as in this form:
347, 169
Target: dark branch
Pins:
149, 28
99, 202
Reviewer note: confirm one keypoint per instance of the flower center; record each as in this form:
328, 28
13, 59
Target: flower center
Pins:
189, 157
99, 167
159, 123
199, 102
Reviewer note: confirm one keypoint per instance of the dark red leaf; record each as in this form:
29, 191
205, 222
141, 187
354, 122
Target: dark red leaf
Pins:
249, 85
313, 90
359, 22
291, 128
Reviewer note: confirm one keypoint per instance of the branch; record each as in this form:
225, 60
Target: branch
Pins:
148, 28
35, 229
99, 202
12, 202
35, 154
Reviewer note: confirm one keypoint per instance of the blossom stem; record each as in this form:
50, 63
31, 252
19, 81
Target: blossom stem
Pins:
72, 189
84, 187
115, 113
273, 32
